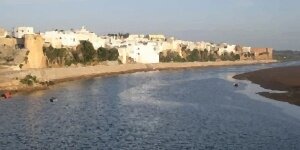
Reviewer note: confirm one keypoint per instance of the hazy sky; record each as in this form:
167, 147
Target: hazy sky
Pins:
268, 23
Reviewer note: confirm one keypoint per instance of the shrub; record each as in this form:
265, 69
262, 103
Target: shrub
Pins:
170, 57
230, 56
105, 54
193, 56
21, 66
87, 50
56, 55
29, 80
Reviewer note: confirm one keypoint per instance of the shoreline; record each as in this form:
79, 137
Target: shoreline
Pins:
284, 79
10, 80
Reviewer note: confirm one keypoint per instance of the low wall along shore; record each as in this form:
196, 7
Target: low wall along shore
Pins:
10, 80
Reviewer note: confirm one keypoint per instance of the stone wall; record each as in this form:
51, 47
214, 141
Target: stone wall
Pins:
262, 53
8, 42
10, 52
3, 33
36, 57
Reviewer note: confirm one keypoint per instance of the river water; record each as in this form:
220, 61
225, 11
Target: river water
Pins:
182, 109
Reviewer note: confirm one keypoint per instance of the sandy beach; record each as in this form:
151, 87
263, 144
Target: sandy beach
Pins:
282, 79
10, 80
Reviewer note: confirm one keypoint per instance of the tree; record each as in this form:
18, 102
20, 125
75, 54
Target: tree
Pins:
55, 55
211, 57
87, 50
102, 56
205, 55
113, 54
237, 57
225, 56
193, 56
171, 56
105, 54
230, 56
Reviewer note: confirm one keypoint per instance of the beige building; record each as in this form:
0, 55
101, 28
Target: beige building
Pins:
156, 37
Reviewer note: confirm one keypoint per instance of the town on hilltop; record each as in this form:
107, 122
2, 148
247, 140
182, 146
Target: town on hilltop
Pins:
23, 48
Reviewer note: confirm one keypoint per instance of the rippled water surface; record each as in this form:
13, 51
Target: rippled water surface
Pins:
183, 109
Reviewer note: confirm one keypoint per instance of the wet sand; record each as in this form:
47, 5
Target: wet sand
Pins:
281, 79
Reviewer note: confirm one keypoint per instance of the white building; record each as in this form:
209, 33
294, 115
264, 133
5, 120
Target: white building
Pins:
136, 37
84, 35
203, 46
59, 39
140, 52
19, 32
156, 37
226, 48
145, 53
69, 39
246, 49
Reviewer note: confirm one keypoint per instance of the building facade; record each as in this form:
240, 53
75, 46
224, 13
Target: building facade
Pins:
19, 32
262, 53
145, 53
71, 39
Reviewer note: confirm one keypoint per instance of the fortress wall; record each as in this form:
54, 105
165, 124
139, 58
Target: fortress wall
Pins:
36, 57
8, 42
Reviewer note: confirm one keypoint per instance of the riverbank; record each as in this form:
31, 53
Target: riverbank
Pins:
281, 79
10, 81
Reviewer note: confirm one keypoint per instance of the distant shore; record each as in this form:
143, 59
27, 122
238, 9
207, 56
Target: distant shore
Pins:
10, 81
281, 79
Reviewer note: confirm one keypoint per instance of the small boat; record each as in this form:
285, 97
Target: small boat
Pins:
236, 85
6, 95
53, 99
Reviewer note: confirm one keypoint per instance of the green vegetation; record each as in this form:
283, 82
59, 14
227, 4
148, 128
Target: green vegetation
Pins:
84, 53
196, 55
211, 57
193, 56
55, 55
105, 54
87, 50
29, 80
286, 55
171, 56
229, 56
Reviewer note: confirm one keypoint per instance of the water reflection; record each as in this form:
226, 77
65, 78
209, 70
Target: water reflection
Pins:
183, 109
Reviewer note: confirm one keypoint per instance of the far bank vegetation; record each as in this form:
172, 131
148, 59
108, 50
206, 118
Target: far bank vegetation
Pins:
196, 56
82, 54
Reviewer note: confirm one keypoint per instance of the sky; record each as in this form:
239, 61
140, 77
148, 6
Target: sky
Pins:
256, 23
